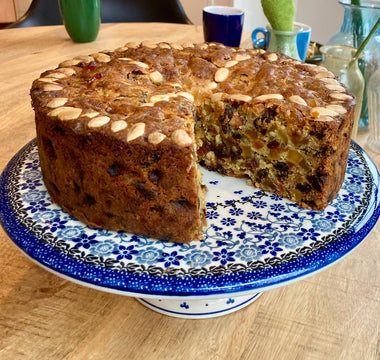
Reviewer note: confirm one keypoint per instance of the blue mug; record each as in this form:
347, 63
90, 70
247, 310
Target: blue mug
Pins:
223, 24
303, 39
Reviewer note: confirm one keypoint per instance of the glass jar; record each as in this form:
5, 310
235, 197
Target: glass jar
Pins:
284, 42
339, 60
373, 91
357, 24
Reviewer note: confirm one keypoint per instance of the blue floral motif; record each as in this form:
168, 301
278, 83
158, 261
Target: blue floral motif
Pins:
275, 197
31, 184
198, 258
70, 232
34, 195
35, 206
354, 180
85, 240
335, 216
211, 214
351, 197
356, 170
295, 216
55, 224
277, 207
48, 216
354, 188
308, 234
323, 225
34, 164
32, 180
290, 241
270, 247
352, 162
223, 256
228, 221
259, 204
243, 228
345, 207
254, 215
227, 235
135, 238
230, 301
125, 252
217, 228
148, 255
31, 175
103, 248
170, 259
236, 212
185, 305
248, 252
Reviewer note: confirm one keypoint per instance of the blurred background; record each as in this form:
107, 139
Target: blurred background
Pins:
324, 16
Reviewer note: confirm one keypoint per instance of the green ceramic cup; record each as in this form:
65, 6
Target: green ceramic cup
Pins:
81, 19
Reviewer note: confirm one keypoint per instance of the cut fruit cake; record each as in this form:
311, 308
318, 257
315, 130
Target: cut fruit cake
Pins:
120, 133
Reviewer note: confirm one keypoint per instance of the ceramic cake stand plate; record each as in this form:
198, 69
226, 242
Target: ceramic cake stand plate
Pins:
254, 241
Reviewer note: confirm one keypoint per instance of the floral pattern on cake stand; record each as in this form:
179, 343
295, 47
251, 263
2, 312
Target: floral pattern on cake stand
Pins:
254, 241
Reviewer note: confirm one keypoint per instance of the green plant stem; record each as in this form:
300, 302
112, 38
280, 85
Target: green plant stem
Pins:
357, 23
364, 43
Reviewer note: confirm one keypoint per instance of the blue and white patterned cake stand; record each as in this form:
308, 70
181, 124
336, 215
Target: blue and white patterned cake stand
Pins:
254, 241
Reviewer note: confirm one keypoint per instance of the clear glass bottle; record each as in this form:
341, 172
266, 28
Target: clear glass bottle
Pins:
373, 94
359, 19
339, 60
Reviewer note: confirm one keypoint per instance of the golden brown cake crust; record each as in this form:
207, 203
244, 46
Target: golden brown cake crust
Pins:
116, 137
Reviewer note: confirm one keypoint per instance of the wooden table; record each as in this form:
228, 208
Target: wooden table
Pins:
332, 315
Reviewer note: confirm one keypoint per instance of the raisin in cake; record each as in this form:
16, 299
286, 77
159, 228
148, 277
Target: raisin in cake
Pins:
120, 133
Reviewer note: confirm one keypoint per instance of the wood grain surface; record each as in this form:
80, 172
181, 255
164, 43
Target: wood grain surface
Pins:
334, 314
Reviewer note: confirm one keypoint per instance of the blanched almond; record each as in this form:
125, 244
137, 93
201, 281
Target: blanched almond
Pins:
318, 111
156, 137
159, 97
136, 131
221, 74
118, 125
52, 87
187, 95
337, 108
66, 113
230, 63
181, 137
269, 97
297, 100
101, 57
240, 97
57, 102
98, 121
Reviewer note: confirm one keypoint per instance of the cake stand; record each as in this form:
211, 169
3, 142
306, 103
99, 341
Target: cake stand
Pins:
254, 241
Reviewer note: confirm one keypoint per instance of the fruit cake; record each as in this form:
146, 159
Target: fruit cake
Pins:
121, 133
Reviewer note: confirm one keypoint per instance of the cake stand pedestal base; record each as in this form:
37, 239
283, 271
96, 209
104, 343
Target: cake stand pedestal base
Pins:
198, 308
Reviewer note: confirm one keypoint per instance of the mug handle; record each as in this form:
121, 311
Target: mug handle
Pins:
259, 43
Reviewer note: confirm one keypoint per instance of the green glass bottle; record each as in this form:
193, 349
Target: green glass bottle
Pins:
81, 19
